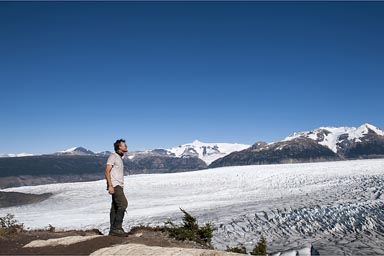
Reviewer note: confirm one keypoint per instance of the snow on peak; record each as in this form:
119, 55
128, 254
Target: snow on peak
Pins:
331, 136
197, 143
70, 150
208, 152
366, 127
76, 151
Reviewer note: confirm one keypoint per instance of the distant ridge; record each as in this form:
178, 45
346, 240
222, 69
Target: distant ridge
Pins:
16, 155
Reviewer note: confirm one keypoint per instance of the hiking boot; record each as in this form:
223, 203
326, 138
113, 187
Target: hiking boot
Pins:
118, 232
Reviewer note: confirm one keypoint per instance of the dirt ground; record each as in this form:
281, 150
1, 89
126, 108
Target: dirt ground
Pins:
13, 244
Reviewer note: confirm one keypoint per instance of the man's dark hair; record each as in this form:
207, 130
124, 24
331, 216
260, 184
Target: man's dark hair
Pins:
117, 144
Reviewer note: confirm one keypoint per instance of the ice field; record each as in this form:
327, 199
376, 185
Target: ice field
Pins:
338, 207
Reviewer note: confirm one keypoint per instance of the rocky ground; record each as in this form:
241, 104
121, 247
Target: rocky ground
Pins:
141, 241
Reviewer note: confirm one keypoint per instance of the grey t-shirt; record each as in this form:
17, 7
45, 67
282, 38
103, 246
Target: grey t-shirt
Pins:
117, 172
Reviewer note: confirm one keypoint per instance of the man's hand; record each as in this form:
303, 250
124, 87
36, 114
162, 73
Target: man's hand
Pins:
111, 190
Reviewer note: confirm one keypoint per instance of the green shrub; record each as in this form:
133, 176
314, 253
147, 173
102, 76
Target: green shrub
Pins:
9, 225
237, 249
190, 230
260, 248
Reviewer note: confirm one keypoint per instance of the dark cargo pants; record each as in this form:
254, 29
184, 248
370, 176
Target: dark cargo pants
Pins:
118, 207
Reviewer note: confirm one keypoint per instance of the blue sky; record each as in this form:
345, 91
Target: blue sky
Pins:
161, 74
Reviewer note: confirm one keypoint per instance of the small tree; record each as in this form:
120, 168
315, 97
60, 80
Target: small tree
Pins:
189, 222
190, 230
260, 248
9, 225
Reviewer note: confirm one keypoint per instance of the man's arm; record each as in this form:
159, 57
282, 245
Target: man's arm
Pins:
108, 169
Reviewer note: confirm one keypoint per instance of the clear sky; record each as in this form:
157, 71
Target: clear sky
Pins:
161, 74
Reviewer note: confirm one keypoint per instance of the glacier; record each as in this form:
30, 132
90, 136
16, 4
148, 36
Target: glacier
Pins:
336, 207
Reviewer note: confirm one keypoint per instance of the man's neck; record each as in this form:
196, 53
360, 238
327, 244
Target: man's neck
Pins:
121, 154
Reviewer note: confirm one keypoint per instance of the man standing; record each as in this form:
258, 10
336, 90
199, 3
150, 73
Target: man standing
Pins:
114, 173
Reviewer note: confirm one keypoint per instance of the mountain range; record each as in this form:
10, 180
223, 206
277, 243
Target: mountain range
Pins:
207, 152
80, 164
329, 143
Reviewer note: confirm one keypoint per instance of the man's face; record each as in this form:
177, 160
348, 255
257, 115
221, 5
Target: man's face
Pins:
123, 147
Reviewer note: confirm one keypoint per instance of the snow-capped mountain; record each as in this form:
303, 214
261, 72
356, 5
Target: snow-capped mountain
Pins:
81, 151
322, 144
338, 139
75, 151
208, 152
